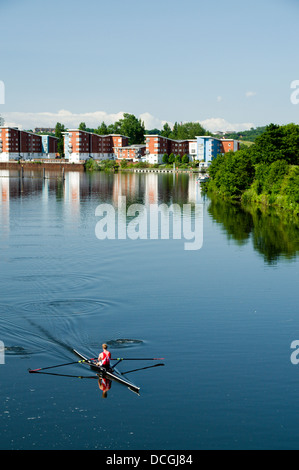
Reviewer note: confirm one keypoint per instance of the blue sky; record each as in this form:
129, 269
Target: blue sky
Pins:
226, 64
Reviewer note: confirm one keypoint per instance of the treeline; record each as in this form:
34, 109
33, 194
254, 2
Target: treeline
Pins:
267, 172
134, 128
183, 131
250, 135
129, 126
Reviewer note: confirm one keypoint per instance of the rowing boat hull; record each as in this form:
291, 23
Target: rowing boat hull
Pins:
115, 375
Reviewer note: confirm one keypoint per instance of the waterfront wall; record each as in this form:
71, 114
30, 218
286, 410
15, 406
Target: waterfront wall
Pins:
51, 166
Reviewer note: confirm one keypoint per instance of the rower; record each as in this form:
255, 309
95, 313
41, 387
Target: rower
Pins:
104, 358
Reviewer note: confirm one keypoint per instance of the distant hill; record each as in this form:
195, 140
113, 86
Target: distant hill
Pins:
248, 136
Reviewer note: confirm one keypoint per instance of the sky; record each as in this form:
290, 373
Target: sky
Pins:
228, 65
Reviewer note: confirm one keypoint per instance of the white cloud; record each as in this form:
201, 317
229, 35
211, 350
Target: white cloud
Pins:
151, 122
219, 124
72, 120
94, 119
69, 119
250, 94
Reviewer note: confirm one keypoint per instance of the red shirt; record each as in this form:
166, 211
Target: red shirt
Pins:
106, 358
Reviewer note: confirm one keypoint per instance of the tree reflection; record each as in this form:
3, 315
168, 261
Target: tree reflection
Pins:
275, 235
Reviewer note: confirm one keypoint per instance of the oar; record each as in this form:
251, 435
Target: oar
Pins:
143, 368
139, 359
61, 365
64, 375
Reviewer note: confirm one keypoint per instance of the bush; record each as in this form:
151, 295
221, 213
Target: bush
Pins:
171, 158
90, 165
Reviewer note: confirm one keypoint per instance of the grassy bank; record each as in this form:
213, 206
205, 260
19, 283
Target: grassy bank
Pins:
112, 165
267, 173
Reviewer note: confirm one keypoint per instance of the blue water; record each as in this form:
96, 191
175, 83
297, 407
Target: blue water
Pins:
223, 317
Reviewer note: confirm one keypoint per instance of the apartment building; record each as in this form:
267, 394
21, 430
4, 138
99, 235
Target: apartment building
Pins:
157, 146
132, 153
230, 145
203, 148
15, 144
82, 145
49, 146
208, 148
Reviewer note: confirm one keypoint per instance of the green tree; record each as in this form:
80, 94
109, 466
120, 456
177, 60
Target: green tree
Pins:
174, 133
166, 130
277, 143
82, 126
171, 158
102, 129
232, 173
59, 129
188, 130
165, 158
124, 164
131, 127
112, 129
185, 159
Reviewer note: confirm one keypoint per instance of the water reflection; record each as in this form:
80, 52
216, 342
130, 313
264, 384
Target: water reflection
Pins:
149, 188
272, 234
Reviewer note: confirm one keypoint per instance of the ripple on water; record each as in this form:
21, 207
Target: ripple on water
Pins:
63, 308
50, 283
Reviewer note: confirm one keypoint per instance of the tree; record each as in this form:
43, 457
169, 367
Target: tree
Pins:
188, 130
82, 126
174, 133
131, 127
232, 173
277, 143
185, 159
166, 130
102, 129
171, 158
59, 129
165, 159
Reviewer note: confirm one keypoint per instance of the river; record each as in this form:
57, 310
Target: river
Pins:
222, 313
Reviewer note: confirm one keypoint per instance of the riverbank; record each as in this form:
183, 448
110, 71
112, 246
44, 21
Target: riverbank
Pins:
265, 174
49, 166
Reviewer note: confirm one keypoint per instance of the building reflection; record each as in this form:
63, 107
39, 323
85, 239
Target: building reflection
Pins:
151, 188
4, 201
77, 188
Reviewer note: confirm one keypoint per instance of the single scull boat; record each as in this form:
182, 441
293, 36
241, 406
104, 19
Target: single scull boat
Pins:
112, 374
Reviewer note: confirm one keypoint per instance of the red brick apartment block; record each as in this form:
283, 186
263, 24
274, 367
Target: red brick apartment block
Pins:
82, 145
16, 144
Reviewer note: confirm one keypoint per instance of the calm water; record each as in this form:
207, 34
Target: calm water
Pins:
223, 317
